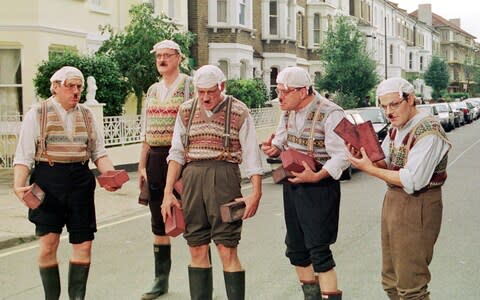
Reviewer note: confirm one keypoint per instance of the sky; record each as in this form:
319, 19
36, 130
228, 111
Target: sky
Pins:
466, 10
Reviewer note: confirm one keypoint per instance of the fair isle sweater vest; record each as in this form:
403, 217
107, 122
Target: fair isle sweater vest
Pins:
298, 140
399, 155
59, 146
161, 115
206, 140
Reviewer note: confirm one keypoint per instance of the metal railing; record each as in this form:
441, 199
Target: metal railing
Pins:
265, 116
9, 131
118, 131
121, 130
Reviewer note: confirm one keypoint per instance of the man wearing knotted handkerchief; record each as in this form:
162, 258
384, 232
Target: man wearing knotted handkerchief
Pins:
414, 170
311, 198
60, 136
213, 134
162, 102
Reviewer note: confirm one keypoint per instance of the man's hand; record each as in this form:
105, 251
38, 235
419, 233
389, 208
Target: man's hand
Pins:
360, 159
142, 177
251, 205
268, 149
169, 200
20, 192
307, 175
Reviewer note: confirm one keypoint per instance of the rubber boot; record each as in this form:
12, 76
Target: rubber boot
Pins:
311, 290
235, 285
163, 263
201, 283
332, 295
77, 280
51, 282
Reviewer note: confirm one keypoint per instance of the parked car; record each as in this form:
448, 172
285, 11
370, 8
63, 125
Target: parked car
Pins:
354, 116
429, 109
472, 105
459, 118
467, 112
446, 116
378, 118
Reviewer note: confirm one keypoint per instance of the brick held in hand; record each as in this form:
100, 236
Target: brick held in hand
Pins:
34, 196
292, 160
144, 196
280, 175
113, 178
232, 211
175, 223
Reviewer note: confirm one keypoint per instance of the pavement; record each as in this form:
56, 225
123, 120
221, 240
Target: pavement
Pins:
15, 228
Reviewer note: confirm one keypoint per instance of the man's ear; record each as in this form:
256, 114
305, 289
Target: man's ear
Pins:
222, 86
411, 98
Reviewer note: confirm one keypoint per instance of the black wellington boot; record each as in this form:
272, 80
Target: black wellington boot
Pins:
163, 263
235, 285
201, 283
77, 280
51, 282
311, 290
332, 295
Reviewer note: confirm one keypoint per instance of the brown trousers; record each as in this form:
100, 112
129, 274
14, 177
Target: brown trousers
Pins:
410, 227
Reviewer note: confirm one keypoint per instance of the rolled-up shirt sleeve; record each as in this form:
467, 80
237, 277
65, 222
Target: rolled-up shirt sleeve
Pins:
280, 134
98, 149
177, 151
335, 147
423, 158
251, 156
27, 140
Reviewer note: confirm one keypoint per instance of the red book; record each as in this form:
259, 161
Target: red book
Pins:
292, 160
113, 178
175, 223
34, 196
361, 135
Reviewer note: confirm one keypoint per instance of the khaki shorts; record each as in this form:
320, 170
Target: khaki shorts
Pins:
206, 186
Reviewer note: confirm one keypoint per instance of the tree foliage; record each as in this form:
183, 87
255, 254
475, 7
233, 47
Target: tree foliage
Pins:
252, 92
111, 89
131, 47
349, 71
436, 76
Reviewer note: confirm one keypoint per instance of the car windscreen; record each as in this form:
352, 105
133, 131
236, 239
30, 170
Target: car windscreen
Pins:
373, 115
442, 108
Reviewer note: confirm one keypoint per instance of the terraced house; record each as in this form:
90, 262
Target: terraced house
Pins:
245, 38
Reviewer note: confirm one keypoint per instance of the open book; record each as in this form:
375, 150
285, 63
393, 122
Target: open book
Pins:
361, 135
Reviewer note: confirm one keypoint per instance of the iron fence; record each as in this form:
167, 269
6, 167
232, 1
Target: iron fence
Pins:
117, 130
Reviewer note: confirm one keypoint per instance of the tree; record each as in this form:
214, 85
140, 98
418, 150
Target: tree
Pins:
436, 76
111, 88
349, 71
252, 92
131, 48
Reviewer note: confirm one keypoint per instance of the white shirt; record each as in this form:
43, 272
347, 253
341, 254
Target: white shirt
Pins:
30, 134
334, 145
251, 157
424, 156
